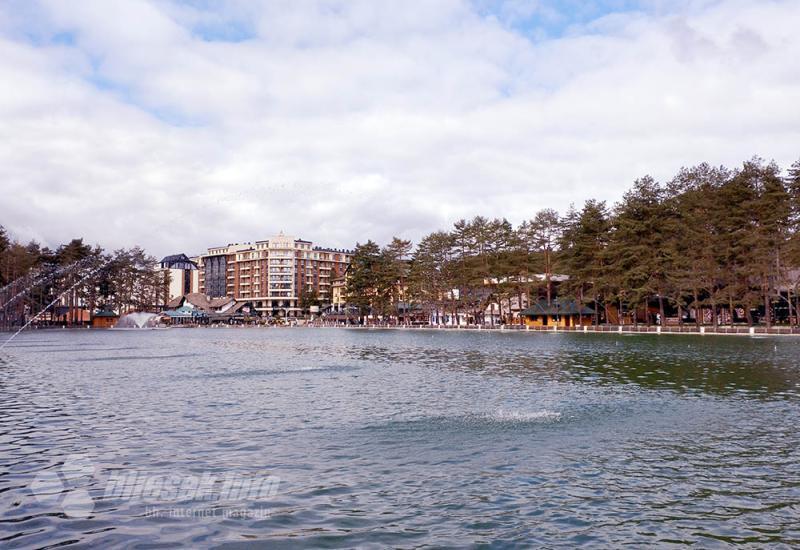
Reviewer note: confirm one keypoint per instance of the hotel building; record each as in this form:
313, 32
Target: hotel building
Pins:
272, 274
183, 275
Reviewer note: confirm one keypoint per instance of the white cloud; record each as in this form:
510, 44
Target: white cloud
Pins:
178, 129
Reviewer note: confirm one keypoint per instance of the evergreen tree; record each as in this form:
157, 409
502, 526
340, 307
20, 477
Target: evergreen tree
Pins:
637, 253
695, 236
5, 243
541, 236
308, 298
432, 278
363, 277
584, 243
771, 214
392, 284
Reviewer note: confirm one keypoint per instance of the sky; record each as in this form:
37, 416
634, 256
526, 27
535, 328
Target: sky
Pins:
179, 126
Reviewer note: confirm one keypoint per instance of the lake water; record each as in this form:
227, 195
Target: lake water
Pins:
391, 438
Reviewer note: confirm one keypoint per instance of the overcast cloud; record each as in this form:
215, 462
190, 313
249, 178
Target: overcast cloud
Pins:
179, 126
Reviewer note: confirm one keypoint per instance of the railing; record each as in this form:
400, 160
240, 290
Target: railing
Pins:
618, 329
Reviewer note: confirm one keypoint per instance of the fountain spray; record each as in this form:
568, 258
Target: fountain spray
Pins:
51, 304
38, 280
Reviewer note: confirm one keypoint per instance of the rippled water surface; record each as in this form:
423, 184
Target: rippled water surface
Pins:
403, 438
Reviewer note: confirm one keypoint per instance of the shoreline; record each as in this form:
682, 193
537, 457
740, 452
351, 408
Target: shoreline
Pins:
753, 332
610, 329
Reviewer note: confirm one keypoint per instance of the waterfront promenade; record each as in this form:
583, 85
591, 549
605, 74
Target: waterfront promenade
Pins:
608, 329
588, 329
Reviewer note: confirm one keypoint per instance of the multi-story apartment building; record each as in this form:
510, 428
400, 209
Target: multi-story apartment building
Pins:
273, 274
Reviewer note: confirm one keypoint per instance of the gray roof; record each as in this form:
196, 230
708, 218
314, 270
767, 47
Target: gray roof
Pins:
181, 261
105, 313
565, 307
184, 312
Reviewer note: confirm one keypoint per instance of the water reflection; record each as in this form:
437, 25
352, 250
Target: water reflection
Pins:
759, 368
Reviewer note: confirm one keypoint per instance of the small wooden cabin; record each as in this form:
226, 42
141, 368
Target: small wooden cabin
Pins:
104, 318
567, 313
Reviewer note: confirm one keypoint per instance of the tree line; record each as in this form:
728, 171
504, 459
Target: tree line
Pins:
123, 280
711, 245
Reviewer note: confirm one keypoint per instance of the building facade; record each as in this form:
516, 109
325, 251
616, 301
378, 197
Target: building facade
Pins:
183, 275
275, 275
568, 313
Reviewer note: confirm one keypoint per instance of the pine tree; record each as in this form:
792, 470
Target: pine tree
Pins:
584, 242
636, 250
431, 278
362, 278
393, 272
541, 236
694, 236
771, 212
5, 243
